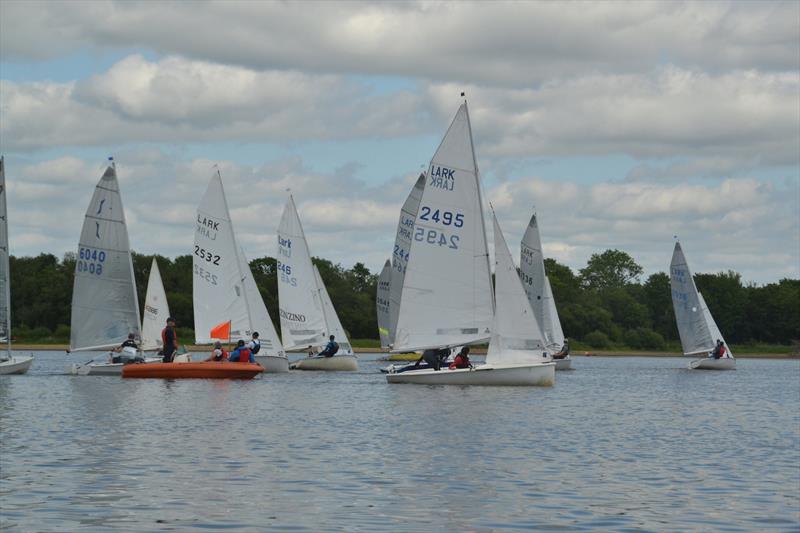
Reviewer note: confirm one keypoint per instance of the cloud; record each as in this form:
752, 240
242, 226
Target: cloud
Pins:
497, 44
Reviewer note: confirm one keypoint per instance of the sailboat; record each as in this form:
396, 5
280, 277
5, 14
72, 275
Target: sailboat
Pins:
540, 295
105, 306
698, 331
382, 303
447, 298
8, 363
307, 313
223, 287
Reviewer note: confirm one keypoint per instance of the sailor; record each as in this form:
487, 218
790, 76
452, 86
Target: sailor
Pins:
242, 354
254, 344
462, 359
719, 350
218, 353
331, 348
130, 342
563, 352
169, 339
434, 357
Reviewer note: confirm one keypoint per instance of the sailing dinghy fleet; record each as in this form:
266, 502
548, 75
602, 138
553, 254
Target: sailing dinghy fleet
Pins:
436, 294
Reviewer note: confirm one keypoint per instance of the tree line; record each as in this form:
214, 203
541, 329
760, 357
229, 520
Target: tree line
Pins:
606, 303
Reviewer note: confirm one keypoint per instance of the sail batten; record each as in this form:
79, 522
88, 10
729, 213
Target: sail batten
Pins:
105, 306
447, 287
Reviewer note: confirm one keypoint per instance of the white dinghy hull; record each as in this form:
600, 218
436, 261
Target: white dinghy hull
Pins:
709, 363
110, 369
341, 363
273, 363
564, 364
15, 365
537, 375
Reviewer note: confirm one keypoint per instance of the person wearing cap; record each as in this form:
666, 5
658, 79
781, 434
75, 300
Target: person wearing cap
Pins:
242, 354
170, 340
218, 353
254, 344
462, 359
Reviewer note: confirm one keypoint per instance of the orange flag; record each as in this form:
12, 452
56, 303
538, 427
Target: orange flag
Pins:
222, 331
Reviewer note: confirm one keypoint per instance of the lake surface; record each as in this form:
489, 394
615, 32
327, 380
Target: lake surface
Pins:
624, 444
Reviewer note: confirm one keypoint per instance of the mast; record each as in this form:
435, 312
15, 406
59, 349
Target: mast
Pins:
6, 261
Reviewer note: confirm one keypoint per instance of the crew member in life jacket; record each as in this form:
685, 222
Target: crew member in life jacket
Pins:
563, 352
241, 354
331, 348
218, 353
462, 359
130, 342
254, 344
719, 350
169, 339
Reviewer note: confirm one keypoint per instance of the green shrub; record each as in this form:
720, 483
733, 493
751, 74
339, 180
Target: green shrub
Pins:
597, 339
644, 339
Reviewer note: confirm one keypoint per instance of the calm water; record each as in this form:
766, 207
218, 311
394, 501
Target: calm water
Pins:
618, 444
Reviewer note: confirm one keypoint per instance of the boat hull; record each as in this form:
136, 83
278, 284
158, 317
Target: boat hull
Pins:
709, 363
564, 364
104, 369
199, 370
273, 364
538, 375
15, 365
340, 363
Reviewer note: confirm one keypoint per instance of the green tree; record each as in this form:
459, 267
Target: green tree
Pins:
612, 268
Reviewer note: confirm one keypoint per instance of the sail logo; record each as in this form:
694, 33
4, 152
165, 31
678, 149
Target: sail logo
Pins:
295, 317
284, 242
207, 228
100, 207
442, 178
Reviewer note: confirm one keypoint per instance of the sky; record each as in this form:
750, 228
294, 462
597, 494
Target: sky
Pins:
622, 124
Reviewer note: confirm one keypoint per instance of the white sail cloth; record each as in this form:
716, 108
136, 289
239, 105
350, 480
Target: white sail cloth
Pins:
553, 334
402, 248
105, 307
446, 298
696, 326
5, 289
156, 311
383, 302
302, 317
516, 337
259, 319
332, 323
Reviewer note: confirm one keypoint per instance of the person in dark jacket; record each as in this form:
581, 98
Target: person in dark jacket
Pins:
242, 354
169, 339
331, 348
462, 359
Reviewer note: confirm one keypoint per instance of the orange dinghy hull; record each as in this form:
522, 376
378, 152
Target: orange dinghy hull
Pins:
199, 370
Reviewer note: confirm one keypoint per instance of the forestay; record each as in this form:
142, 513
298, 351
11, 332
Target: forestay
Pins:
446, 298
217, 284
259, 319
516, 337
696, 327
382, 303
302, 318
402, 247
5, 289
105, 307
332, 323
156, 311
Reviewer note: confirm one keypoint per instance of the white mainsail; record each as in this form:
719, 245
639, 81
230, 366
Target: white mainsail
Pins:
332, 323
105, 307
258, 315
531, 269
302, 317
217, 285
516, 337
156, 311
5, 283
383, 302
446, 298
402, 247
553, 334
696, 326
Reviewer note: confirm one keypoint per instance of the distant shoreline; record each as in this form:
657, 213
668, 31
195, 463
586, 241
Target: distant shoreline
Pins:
476, 351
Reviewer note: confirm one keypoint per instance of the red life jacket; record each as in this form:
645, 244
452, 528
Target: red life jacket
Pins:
244, 355
460, 362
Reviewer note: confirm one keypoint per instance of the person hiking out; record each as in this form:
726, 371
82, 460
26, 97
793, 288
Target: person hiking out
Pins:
331, 348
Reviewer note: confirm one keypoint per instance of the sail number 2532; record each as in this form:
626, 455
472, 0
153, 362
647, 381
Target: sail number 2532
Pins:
202, 253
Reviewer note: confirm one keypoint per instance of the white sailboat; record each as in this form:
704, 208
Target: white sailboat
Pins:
307, 313
540, 295
9, 364
383, 302
105, 306
698, 331
156, 311
223, 286
447, 298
